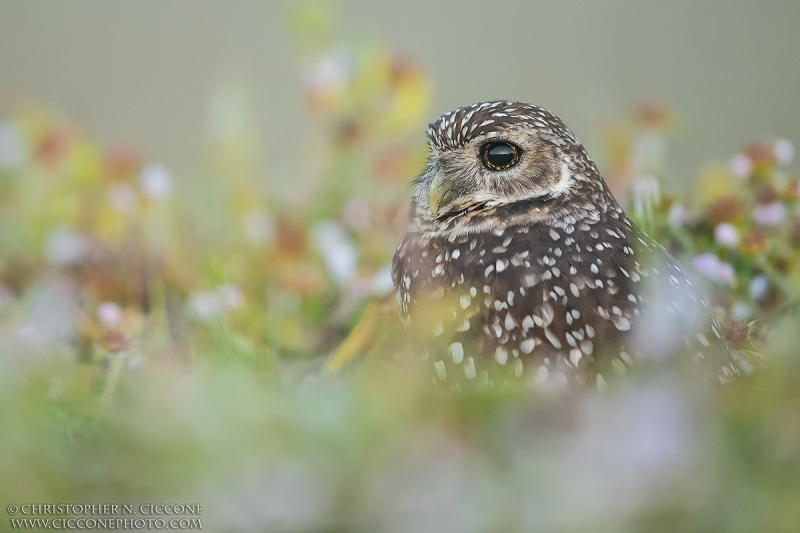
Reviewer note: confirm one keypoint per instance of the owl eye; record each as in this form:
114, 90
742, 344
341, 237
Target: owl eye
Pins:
499, 155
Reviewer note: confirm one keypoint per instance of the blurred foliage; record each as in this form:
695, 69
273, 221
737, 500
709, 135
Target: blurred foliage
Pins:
739, 228
163, 339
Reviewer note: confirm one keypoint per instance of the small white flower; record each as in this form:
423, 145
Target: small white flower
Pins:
706, 264
64, 246
772, 214
784, 151
156, 181
677, 215
741, 311
210, 305
726, 234
646, 195
331, 72
758, 287
649, 152
382, 282
337, 249
230, 296
259, 227
109, 314
741, 167
122, 197
12, 146
204, 305
6, 296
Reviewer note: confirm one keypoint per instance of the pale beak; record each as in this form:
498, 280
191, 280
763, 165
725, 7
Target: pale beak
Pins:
437, 192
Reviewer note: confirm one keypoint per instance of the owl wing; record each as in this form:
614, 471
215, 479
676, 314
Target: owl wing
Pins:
676, 317
487, 307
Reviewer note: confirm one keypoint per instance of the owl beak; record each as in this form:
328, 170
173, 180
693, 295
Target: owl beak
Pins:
437, 192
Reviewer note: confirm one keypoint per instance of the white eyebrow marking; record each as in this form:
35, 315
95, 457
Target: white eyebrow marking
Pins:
565, 181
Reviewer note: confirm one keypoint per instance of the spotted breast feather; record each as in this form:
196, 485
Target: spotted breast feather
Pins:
561, 303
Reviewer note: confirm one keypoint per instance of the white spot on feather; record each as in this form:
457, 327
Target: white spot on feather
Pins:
501, 354
457, 352
441, 372
469, 369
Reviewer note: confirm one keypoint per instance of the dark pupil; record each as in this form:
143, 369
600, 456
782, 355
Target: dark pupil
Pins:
500, 155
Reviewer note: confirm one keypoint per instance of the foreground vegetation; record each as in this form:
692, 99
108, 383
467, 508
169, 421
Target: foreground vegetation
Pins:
227, 344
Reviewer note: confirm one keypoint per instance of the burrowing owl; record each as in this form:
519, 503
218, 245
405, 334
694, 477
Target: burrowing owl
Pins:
519, 262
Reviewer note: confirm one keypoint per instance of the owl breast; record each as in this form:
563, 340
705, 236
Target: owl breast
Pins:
557, 301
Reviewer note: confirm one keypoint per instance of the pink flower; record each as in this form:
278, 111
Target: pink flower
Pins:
772, 214
784, 151
725, 274
710, 266
741, 167
706, 264
726, 234
109, 314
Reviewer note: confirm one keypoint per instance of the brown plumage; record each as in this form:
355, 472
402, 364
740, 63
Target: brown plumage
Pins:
519, 263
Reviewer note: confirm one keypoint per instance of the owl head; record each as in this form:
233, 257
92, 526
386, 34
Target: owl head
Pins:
501, 153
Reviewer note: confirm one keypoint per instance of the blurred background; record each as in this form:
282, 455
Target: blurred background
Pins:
199, 204
146, 72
